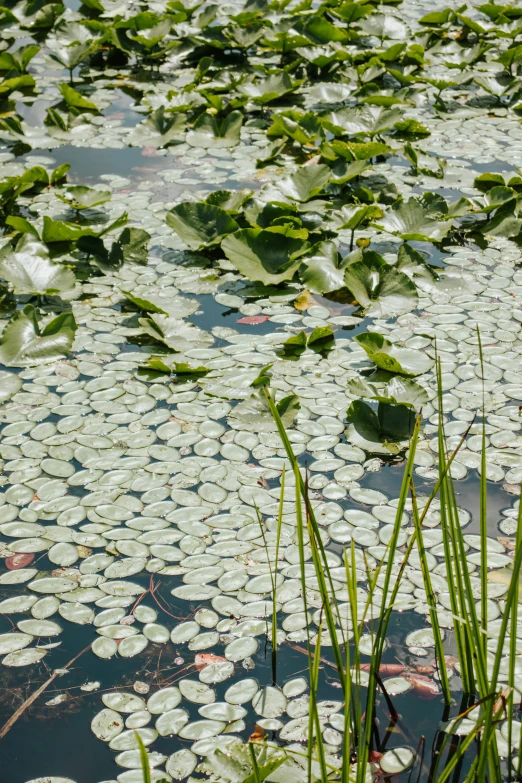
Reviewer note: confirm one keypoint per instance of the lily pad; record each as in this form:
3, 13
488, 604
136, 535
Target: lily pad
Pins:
392, 358
24, 344
264, 256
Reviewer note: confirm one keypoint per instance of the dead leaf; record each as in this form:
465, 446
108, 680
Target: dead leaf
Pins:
204, 659
20, 560
303, 301
253, 319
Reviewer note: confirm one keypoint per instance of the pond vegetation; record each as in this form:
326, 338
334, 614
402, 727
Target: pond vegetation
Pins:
260, 399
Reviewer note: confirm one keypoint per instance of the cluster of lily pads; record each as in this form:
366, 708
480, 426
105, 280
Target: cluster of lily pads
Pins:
301, 182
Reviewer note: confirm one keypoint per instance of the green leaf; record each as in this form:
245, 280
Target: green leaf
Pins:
8, 86
437, 17
22, 225
305, 129
103, 258
390, 357
31, 272
383, 387
322, 271
23, 344
352, 150
264, 256
389, 424
199, 224
59, 173
269, 89
288, 409
144, 304
380, 289
159, 130
495, 197
71, 55
229, 200
58, 231
294, 346
82, 197
183, 372
176, 334
75, 99
19, 60
412, 220
485, 182
305, 183
361, 120
212, 133
413, 264
411, 129
134, 243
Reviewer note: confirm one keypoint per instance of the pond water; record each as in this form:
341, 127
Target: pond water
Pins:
143, 505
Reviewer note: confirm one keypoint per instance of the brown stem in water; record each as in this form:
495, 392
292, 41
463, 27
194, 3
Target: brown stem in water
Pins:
32, 698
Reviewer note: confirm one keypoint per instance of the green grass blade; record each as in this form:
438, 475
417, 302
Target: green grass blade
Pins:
483, 515
432, 604
144, 758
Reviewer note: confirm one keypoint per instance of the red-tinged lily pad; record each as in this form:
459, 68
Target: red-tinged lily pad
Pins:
424, 686
19, 561
253, 319
204, 659
385, 668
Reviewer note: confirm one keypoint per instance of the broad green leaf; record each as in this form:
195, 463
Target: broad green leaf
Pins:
134, 243
60, 173
229, 200
380, 289
18, 60
389, 424
23, 344
412, 263
485, 182
184, 372
321, 31
212, 133
8, 86
144, 304
305, 183
269, 89
411, 129
392, 358
302, 128
75, 99
264, 256
437, 17
71, 55
411, 220
176, 334
22, 225
82, 197
383, 387
31, 272
322, 271
352, 150
199, 224
361, 120
495, 197
384, 26
159, 130
94, 247
58, 231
